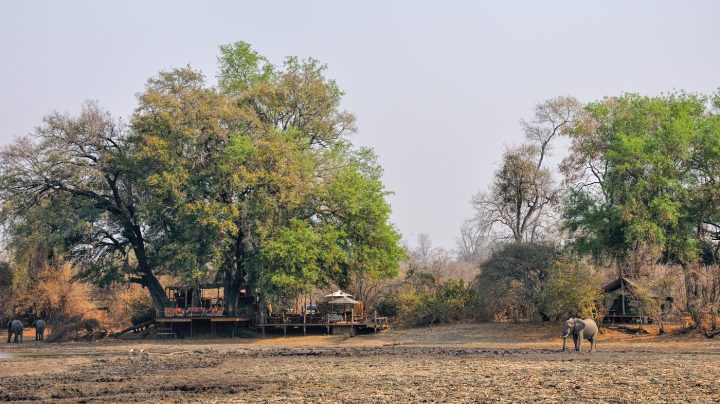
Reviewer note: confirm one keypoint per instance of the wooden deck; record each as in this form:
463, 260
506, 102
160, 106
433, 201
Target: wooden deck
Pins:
193, 322
331, 328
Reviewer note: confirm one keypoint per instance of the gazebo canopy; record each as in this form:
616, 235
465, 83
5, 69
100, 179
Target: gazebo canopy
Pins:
339, 293
344, 300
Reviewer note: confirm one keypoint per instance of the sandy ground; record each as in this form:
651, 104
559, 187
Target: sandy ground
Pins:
459, 363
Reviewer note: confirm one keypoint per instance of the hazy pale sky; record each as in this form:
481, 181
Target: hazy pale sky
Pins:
438, 87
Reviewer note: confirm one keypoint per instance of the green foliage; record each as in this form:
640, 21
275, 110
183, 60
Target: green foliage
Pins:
633, 159
141, 309
272, 196
423, 300
572, 289
451, 301
241, 68
253, 183
512, 279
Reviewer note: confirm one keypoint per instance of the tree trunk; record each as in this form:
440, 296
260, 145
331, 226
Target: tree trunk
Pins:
232, 293
691, 295
235, 276
148, 279
157, 293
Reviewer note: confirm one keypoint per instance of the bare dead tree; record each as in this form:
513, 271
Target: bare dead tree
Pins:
524, 192
471, 242
424, 248
513, 206
370, 291
552, 117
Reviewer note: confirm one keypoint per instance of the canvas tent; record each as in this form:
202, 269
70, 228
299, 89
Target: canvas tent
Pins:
619, 296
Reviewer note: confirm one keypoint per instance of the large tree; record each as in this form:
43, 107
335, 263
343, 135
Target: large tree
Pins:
75, 182
253, 182
642, 179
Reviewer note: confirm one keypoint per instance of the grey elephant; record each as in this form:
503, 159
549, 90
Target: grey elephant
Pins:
15, 327
40, 330
580, 329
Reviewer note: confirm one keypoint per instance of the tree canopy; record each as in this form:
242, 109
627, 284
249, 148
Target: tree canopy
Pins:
642, 176
253, 183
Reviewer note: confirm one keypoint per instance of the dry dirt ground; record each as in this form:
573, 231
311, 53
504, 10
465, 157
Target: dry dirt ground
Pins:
459, 363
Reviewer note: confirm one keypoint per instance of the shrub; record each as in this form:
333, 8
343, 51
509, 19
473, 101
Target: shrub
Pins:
423, 300
572, 289
142, 308
511, 280
451, 301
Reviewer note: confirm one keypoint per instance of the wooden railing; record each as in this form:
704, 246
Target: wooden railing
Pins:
202, 312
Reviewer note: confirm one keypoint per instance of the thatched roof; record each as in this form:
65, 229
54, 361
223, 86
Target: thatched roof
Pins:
344, 300
339, 293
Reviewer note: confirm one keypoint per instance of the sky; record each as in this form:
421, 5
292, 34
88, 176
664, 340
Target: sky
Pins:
438, 88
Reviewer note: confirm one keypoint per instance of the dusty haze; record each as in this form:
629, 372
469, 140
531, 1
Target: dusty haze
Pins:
438, 88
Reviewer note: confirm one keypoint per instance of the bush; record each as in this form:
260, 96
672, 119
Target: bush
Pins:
402, 302
423, 300
649, 300
572, 289
512, 279
450, 302
142, 308
42, 287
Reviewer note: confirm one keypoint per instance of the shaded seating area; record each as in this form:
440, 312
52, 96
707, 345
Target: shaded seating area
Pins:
205, 300
200, 308
335, 313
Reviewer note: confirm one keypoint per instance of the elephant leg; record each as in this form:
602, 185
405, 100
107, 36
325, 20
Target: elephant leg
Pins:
575, 341
564, 340
579, 341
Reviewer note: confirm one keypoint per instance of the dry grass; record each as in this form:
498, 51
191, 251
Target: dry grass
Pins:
460, 363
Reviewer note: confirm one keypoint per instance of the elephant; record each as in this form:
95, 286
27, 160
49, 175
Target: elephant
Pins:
580, 329
40, 330
15, 327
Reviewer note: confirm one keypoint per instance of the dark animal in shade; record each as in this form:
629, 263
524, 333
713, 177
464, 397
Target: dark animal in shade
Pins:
40, 330
15, 327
